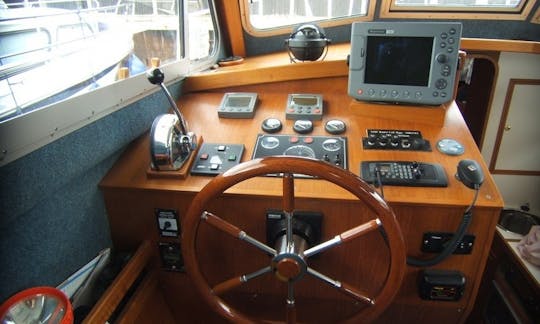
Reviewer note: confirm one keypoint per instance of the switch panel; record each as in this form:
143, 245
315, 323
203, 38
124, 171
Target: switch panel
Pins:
171, 256
435, 242
215, 158
167, 221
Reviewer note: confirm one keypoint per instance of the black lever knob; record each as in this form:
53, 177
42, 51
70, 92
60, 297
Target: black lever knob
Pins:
155, 76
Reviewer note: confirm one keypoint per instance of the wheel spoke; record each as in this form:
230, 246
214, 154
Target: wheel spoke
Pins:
344, 237
227, 285
288, 192
234, 231
291, 304
343, 287
288, 204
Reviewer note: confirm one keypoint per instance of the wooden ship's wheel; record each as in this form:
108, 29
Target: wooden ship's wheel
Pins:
290, 259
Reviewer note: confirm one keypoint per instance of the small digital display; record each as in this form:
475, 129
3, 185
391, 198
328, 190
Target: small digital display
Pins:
304, 101
398, 60
385, 168
237, 102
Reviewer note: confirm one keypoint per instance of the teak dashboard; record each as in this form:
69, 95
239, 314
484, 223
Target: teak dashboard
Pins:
133, 198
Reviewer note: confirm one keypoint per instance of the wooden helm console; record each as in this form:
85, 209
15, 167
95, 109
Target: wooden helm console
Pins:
292, 266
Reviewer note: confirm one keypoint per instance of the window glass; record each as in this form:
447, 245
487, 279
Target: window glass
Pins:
458, 4
202, 33
51, 50
457, 9
63, 60
272, 14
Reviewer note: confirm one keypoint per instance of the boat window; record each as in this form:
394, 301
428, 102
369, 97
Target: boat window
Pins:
265, 17
462, 9
76, 61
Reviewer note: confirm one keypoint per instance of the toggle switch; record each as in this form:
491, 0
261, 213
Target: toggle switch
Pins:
167, 221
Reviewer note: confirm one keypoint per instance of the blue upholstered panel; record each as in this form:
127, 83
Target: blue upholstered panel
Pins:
52, 214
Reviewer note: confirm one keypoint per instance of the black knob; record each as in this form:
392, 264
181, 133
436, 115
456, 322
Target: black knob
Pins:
442, 58
418, 143
395, 141
155, 76
371, 139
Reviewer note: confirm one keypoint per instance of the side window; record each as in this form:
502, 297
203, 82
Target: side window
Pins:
202, 32
265, 17
67, 63
461, 9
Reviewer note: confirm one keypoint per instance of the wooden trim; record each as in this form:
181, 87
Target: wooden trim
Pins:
389, 10
132, 310
516, 172
535, 19
230, 11
284, 30
506, 108
500, 45
264, 70
277, 67
117, 290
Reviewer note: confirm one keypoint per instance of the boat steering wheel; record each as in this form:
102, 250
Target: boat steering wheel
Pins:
292, 263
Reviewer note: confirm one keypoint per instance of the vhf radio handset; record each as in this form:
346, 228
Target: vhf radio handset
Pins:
171, 143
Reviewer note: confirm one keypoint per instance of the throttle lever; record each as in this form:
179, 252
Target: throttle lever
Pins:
156, 76
171, 143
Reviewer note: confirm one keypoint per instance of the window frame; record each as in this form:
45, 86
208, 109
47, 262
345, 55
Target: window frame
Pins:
26, 133
389, 10
256, 32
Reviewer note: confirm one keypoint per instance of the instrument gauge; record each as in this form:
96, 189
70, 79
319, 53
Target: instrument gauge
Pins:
331, 145
335, 126
269, 142
300, 150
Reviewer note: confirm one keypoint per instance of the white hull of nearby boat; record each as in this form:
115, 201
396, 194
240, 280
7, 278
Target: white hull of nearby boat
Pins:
72, 58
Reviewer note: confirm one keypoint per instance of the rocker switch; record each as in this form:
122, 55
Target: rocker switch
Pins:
167, 221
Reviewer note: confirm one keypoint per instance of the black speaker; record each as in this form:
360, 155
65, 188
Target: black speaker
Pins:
307, 43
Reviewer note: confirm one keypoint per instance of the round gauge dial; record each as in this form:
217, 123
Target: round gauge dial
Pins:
269, 142
271, 125
300, 150
303, 126
335, 126
331, 145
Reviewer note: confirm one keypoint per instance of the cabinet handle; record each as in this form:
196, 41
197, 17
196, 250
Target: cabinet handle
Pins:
507, 128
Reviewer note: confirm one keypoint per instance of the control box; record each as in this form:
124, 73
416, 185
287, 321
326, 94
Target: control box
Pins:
171, 256
393, 139
444, 285
237, 105
404, 173
304, 106
167, 221
215, 158
435, 242
331, 149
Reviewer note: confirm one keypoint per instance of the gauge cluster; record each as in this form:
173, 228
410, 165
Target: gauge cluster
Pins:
332, 149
